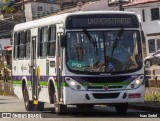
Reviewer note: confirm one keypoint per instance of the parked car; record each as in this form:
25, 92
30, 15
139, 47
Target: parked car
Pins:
154, 59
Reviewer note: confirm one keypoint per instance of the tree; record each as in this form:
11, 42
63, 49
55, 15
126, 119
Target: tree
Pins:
8, 8
6, 1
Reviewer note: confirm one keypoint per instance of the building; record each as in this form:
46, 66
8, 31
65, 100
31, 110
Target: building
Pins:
5, 53
100, 5
36, 9
149, 10
116, 1
93, 6
73, 1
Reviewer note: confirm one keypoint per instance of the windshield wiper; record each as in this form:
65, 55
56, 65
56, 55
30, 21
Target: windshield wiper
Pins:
115, 44
91, 39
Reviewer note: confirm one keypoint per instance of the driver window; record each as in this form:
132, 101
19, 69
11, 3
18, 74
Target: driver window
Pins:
72, 46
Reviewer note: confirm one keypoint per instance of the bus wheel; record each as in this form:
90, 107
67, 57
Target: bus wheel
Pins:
40, 106
121, 107
52, 94
89, 106
28, 104
148, 63
60, 109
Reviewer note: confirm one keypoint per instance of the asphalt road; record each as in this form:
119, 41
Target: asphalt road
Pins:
16, 106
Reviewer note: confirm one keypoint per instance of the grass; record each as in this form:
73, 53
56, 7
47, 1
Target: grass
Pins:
6, 94
6, 89
154, 96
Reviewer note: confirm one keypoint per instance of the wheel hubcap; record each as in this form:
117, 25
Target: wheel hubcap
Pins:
148, 63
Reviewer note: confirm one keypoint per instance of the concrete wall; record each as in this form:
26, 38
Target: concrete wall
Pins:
28, 12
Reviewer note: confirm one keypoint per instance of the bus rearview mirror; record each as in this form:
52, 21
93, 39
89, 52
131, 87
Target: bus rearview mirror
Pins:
63, 41
143, 37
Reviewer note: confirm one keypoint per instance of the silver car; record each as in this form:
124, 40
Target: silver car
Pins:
154, 59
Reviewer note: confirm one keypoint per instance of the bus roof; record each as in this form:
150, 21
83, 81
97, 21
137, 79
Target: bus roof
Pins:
60, 19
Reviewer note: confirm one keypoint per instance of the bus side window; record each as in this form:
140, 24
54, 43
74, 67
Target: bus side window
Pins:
52, 41
43, 42
21, 45
15, 45
27, 44
18, 44
39, 40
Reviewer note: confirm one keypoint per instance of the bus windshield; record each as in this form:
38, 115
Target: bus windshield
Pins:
104, 51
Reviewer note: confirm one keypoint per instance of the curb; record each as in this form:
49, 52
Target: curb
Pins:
145, 108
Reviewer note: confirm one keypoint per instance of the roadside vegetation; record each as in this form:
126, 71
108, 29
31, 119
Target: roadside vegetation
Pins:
6, 89
152, 94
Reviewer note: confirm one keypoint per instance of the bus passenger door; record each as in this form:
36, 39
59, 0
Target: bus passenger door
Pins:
33, 67
59, 62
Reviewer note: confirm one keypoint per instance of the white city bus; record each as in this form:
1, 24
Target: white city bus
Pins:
81, 59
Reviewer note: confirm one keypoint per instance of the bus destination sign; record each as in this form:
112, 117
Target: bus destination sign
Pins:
110, 21
102, 21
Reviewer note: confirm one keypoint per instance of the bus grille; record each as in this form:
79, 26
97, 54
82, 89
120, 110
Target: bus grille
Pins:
105, 95
105, 79
102, 87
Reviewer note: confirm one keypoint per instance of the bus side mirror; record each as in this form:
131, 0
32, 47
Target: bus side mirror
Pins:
11, 42
63, 41
143, 37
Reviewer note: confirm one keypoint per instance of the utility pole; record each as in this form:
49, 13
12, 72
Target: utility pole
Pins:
120, 5
22, 4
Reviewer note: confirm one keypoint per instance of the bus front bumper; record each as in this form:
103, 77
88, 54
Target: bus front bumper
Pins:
102, 97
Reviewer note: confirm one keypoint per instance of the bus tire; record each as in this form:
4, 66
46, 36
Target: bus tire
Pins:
40, 106
29, 106
89, 106
52, 94
148, 63
121, 107
60, 109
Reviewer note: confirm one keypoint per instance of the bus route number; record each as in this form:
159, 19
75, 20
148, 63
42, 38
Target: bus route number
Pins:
77, 64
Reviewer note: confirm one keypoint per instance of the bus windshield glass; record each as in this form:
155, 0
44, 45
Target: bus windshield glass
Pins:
104, 51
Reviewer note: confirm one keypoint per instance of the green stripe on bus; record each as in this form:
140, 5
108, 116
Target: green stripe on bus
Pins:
29, 82
44, 83
65, 84
16, 82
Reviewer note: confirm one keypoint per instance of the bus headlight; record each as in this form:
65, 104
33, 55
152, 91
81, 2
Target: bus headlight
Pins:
74, 84
138, 81
135, 84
